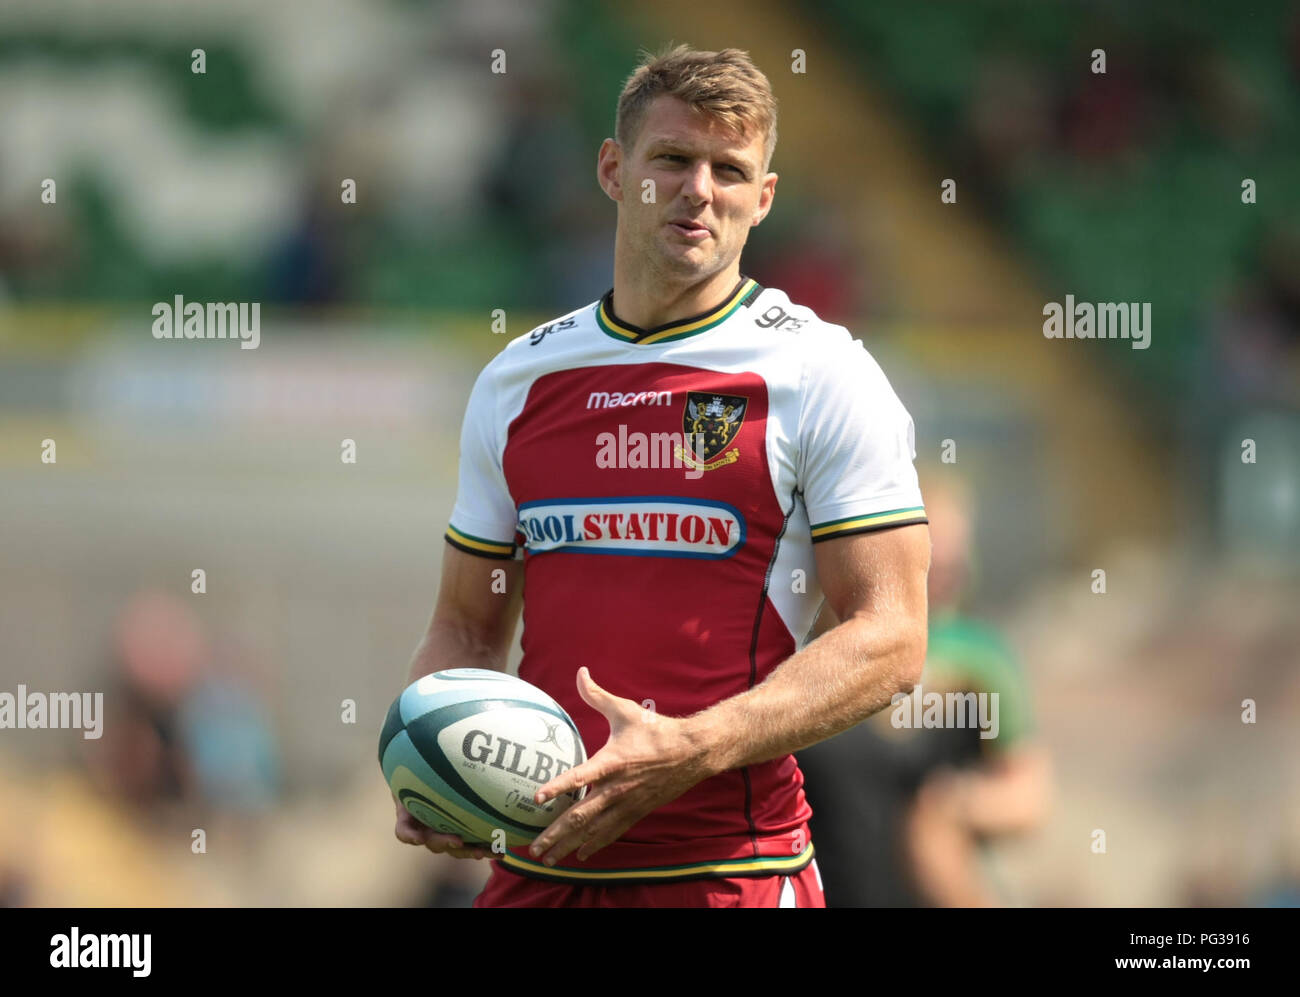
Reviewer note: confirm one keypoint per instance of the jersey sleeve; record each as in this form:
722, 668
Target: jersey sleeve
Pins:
857, 445
484, 517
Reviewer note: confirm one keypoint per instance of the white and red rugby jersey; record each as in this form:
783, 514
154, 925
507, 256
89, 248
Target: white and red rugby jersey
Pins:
665, 487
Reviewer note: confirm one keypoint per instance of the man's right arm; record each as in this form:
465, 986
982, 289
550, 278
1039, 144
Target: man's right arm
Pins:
474, 619
473, 626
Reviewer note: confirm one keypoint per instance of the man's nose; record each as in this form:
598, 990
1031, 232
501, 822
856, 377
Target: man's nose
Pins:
698, 182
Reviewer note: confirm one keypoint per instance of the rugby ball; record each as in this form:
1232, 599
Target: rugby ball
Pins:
465, 749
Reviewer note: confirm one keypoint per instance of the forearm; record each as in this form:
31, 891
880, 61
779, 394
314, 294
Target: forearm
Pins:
449, 644
838, 680
475, 617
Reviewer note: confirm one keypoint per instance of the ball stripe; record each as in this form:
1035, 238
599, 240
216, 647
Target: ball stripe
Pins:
392, 727
402, 754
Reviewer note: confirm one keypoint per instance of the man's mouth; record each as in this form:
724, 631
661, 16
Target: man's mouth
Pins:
689, 229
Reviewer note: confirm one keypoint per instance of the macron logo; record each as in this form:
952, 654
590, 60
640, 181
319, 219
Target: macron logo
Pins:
617, 399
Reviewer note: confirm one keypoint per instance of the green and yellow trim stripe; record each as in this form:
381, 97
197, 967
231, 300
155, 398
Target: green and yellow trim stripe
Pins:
874, 521
766, 865
670, 331
477, 545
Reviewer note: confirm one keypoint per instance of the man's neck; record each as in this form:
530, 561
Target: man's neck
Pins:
646, 299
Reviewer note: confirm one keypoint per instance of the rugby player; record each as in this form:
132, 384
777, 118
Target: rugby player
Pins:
672, 478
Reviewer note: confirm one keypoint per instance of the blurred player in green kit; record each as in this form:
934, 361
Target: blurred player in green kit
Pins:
902, 814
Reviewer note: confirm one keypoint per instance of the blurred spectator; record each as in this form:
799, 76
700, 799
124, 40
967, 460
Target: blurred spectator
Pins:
1256, 331
543, 165
158, 649
900, 815
178, 730
1107, 115
541, 187
305, 268
227, 732
1009, 119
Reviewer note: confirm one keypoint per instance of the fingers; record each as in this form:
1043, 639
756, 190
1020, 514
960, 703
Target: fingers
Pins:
410, 831
411, 835
450, 844
589, 690
571, 780
590, 825
606, 703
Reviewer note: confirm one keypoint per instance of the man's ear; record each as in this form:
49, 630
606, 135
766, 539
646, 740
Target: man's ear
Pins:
765, 196
609, 164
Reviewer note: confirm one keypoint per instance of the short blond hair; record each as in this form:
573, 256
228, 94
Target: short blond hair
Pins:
724, 85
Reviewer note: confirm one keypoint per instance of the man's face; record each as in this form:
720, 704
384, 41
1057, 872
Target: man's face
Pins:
708, 190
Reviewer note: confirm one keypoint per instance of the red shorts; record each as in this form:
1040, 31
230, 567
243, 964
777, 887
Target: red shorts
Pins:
511, 889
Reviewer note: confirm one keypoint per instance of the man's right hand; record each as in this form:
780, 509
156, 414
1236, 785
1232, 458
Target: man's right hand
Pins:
411, 832
473, 626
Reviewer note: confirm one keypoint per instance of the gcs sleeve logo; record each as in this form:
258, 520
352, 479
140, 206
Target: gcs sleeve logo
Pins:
537, 335
776, 318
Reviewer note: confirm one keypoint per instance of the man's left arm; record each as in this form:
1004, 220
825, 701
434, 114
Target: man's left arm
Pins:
876, 585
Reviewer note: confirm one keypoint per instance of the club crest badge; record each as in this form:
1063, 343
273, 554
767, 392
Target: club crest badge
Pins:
710, 423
